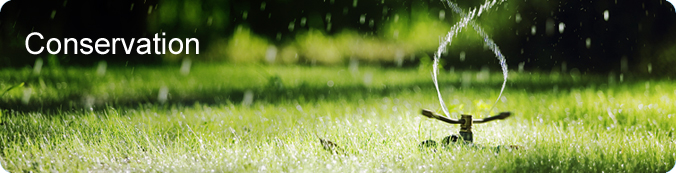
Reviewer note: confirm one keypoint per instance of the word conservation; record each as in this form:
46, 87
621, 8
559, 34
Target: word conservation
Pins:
104, 46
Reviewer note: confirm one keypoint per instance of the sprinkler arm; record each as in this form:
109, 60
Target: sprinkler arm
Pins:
430, 114
500, 116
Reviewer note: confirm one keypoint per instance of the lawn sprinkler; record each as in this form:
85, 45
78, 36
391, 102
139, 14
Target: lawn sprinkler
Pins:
466, 121
466, 136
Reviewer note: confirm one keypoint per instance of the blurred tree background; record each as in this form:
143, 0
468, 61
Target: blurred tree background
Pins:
589, 36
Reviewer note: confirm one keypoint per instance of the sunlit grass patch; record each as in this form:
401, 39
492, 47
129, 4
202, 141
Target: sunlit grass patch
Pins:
563, 123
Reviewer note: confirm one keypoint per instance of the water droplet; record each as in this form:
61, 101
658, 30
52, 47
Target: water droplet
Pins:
292, 25
53, 14
517, 18
271, 54
27, 92
185, 66
248, 98
38, 66
101, 68
163, 94
354, 66
549, 27
606, 15
442, 15
462, 56
624, 63
533, 30
399, 57
368, 78
562, 26
329, 83
588, 42
362, 18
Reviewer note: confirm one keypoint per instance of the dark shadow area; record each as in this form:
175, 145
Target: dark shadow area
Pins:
77, 101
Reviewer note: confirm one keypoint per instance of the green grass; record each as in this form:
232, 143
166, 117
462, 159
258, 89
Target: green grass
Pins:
77, 121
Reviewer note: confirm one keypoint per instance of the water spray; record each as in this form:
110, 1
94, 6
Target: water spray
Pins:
468, 19
466, 121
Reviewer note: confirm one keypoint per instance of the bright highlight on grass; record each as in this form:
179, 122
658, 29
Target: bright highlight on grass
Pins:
567, 122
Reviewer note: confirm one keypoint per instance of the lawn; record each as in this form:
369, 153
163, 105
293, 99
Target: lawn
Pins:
258, 118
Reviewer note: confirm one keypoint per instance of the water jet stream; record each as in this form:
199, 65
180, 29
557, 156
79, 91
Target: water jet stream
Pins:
467, 19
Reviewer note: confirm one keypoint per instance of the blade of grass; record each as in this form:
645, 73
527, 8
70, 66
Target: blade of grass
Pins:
11, 88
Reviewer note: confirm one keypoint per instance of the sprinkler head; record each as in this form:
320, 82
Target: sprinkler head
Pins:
466, 122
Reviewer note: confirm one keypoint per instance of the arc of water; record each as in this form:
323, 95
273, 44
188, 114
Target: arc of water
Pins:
467, 19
